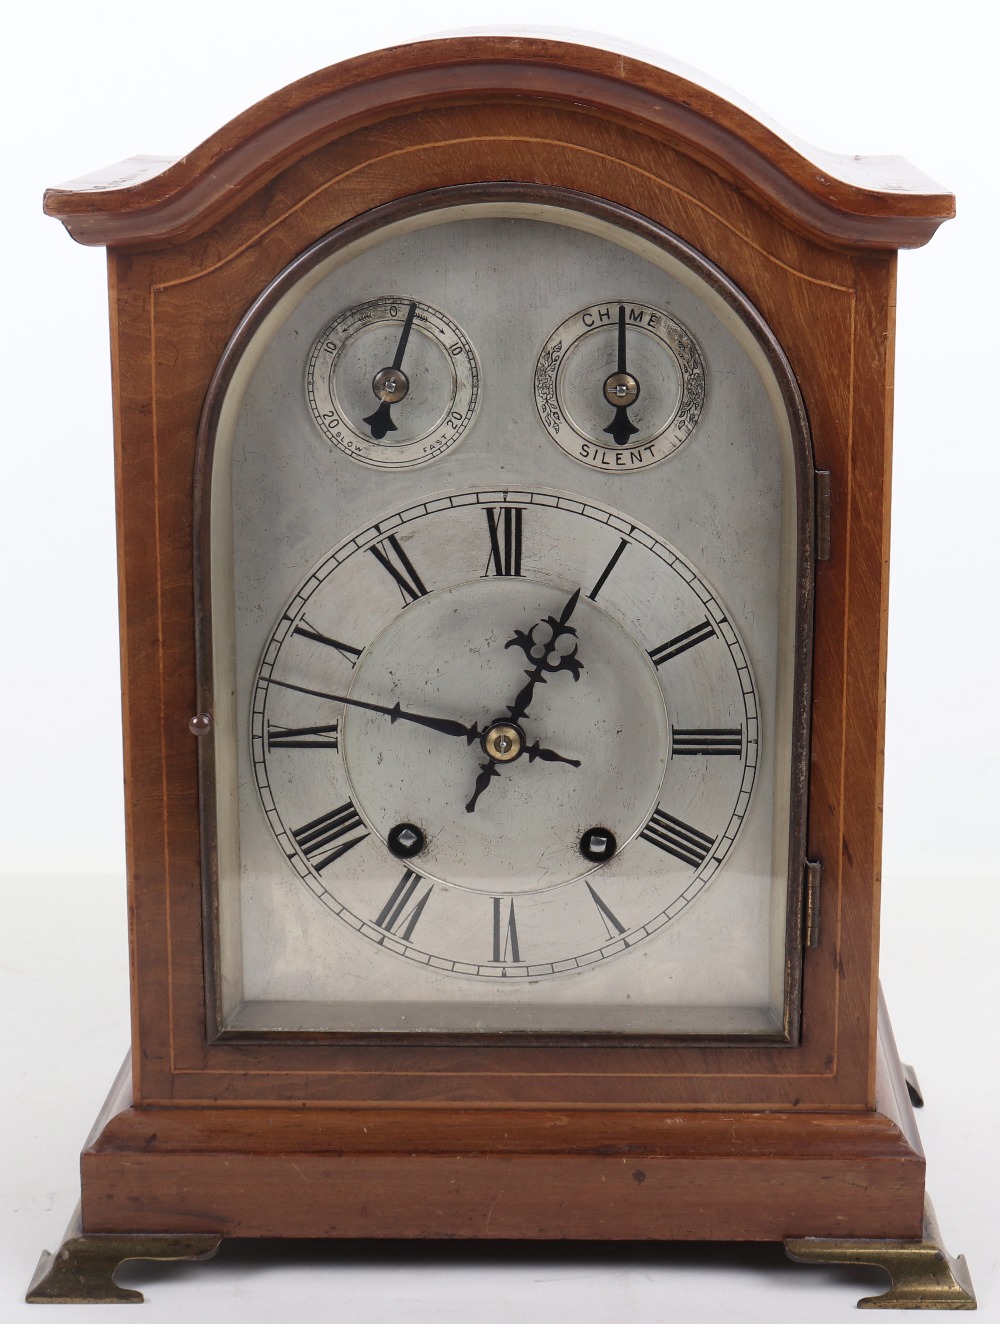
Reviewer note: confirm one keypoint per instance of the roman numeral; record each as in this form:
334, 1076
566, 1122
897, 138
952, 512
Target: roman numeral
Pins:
506, 530
394, 913
611, 921
504, 935
607, 570
681, 643
301, 737
314, 838
706, 741
679, 839
410, 584
347, 651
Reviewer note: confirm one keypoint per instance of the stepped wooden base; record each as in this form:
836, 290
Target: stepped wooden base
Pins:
170, 1182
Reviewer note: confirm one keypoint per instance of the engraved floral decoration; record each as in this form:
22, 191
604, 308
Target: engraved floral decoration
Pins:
692, 367
545, 386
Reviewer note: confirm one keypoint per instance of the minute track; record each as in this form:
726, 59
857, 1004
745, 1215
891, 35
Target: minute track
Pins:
469, 655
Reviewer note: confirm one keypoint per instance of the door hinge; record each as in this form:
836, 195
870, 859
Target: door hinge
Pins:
810, 910
822, 514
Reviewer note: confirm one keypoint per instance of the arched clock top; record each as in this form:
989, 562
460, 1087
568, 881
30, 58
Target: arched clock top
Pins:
858, 202
503, 447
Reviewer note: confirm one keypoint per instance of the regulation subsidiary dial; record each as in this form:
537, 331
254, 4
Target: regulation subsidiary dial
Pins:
620, 386
392, 382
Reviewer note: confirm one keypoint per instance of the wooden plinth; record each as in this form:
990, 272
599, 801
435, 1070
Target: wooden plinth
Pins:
281, 1171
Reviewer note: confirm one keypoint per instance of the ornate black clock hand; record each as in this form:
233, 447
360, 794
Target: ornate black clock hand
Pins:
487, 771
532, 647
537, 751
447, 726
621, 390
515, 748
391, 384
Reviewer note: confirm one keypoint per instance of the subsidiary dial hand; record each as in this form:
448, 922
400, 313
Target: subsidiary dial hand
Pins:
391, 384
621, 390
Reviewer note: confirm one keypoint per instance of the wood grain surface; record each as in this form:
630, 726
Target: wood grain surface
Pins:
609, 1174
174, 311
289, 1138
879, 202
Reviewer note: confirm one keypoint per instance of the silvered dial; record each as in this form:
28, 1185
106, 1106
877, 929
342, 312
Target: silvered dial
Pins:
393, 382
620, 385
465, 702
525, 728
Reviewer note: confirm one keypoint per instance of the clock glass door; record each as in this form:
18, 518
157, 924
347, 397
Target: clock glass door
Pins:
506, 558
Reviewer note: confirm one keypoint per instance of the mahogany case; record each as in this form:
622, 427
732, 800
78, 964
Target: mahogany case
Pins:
277, 1138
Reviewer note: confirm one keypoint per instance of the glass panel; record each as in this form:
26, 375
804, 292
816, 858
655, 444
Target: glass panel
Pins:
503, 571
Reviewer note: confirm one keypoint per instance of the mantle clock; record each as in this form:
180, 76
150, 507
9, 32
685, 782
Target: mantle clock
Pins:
502, 431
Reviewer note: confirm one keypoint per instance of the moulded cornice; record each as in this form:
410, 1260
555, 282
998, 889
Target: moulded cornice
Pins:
859, 202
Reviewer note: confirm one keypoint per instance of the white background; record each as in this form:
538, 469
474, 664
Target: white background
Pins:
85, 86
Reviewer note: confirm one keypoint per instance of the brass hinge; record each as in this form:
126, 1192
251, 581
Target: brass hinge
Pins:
810, 917
822, 514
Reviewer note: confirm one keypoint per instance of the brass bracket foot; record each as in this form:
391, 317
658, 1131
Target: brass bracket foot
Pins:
924, 1276
82, 1270
912, 1085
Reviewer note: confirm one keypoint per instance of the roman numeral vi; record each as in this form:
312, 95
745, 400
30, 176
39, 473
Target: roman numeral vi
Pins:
504, 933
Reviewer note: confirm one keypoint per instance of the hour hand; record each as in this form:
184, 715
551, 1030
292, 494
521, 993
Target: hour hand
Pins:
537, 751
503, 743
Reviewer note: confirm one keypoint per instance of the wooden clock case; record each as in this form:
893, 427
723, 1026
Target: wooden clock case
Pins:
210, 1136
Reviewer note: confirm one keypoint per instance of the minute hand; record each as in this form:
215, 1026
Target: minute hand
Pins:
446, 725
